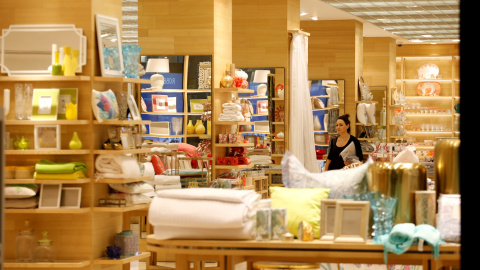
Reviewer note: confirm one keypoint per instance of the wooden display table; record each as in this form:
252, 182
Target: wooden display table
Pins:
228, 253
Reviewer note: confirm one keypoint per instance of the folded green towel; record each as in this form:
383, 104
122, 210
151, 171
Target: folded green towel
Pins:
47, 166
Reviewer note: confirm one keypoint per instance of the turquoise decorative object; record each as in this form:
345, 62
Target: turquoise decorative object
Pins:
382, 207
131, 54
457, 108
114, 63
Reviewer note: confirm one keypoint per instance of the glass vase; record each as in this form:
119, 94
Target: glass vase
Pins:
131, 54
382, 207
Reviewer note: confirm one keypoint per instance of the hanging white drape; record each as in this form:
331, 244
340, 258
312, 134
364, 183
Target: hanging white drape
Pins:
301, 140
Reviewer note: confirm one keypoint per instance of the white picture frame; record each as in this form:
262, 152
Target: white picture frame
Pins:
50, 196
351, 221
132, 106
327, 218
108, 37
71, 197
47, 137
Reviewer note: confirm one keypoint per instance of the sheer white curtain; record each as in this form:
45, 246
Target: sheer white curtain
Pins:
301, 140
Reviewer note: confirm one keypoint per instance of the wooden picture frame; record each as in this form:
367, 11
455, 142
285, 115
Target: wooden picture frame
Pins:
47, 137
351, 221
327, 218
196, 105
65, 96
50, 196
71, 197
251, 139
132, 106
160, 103
45, 104
262, 107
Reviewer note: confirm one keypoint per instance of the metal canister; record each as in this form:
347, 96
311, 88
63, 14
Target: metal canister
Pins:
447, 166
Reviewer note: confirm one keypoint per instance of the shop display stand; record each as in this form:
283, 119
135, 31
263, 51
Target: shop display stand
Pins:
278, 145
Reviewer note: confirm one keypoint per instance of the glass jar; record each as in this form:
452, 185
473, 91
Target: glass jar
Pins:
45, 252
25, 244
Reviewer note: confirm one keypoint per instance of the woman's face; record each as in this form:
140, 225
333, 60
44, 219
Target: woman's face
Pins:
341, 126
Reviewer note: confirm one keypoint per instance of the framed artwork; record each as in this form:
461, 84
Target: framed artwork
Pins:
262, 107
65, 96
172, 104
351, 221
204, 75
132, 106
45, 104
251, 138
50, 196
70, 197
196, 105
47, 137
160, 103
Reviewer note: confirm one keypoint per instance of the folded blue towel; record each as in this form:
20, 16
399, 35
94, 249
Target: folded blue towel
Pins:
398, 240
430, 235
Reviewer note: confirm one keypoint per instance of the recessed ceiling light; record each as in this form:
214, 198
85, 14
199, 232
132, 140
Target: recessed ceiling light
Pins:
427, 36
456, 40
415, 40
303, 13
313, 18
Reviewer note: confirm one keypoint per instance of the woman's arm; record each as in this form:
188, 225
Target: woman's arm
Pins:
325, 168
358, 149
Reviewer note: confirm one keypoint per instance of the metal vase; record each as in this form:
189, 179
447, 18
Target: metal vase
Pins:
398, 180
447, 166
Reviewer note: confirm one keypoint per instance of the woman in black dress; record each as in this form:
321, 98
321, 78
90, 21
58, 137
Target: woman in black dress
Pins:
337, 145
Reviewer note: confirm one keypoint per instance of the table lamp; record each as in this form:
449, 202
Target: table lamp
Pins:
260, 76
157, 65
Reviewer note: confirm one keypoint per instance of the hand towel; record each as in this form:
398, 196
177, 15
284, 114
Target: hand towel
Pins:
117, 166
430, 235
398, 240
47, 166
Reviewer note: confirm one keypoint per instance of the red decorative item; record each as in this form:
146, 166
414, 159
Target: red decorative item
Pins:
237, 81
244, 84
157, 165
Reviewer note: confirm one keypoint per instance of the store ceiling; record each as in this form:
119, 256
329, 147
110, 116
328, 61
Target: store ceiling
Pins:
407, 21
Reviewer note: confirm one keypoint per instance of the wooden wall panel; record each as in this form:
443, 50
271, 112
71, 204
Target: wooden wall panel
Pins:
428, 50
379, 55
335, 51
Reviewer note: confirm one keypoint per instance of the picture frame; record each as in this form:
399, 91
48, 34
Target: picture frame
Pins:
262, 107
65, 96
251, 138
172, 104
196, 105
47, 137
109, 46
327, 218
351, 221
71, 197
132, 106
45, 104
160, 103
50, 196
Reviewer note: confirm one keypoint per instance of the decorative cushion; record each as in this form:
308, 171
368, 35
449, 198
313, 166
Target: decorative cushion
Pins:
136, 187
31, 202
340, 182
20, 191
301, 204
157, 164
104, 105
406, 156
362, 113
370, 110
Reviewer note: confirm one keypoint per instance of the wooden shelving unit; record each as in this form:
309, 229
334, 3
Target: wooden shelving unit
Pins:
56, 264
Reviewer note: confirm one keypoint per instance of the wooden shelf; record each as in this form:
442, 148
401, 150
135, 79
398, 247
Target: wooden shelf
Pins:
233, 167
45, 122
166, 113
234, 145
48, 181
119, 80
82, 210
234, 90
47, 152
143, 206
125, 260
122, 122
224, 123
122, 152
277, 155
122, 181
56, 264
44, 78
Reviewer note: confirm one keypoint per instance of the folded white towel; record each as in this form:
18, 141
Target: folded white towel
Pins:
230, 105
226, 117
166, 179
149, 171
169, 186
203, 208
117, 166
245, 233
231, 111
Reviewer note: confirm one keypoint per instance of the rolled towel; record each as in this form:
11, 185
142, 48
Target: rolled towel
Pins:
117, 166
166, 179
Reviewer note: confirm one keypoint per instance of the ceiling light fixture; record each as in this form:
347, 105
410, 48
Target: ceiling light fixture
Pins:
314, 18
303, 13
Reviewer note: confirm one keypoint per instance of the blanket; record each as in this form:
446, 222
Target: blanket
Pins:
245, 233
117, 166
47, 166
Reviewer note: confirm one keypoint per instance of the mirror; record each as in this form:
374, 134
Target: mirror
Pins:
109, 46
27, 49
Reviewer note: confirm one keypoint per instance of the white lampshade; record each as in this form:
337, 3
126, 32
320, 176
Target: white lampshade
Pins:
158, 65
260, 76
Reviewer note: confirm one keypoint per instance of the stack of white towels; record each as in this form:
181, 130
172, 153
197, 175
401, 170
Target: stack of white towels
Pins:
231, 112
204, 213
117, 166
163, 182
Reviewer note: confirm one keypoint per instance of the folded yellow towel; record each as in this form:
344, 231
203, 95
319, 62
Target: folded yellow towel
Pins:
59, 176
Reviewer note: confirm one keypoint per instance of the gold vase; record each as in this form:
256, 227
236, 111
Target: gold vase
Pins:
199, 127
227, 80
447, 166
398, 180
190, 127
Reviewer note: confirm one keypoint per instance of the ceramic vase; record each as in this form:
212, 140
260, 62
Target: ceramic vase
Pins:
199, 127
190, 127
131, 53
67, 66
75, 143
227, 80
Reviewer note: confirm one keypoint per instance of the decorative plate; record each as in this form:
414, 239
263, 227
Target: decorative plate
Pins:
428, 71
428, 89
279, 114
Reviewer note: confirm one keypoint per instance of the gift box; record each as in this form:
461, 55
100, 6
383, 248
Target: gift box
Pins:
279, 223
264, 224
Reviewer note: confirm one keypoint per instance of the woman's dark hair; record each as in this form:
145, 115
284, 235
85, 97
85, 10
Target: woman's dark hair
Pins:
346, 120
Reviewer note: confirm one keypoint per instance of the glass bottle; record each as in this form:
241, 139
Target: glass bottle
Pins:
44, 252
56, 67
25, 244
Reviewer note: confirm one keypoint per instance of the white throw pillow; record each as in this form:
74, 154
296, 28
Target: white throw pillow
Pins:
20, 191
406, 156
340, 182
136, 187
370, 109
362, 113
